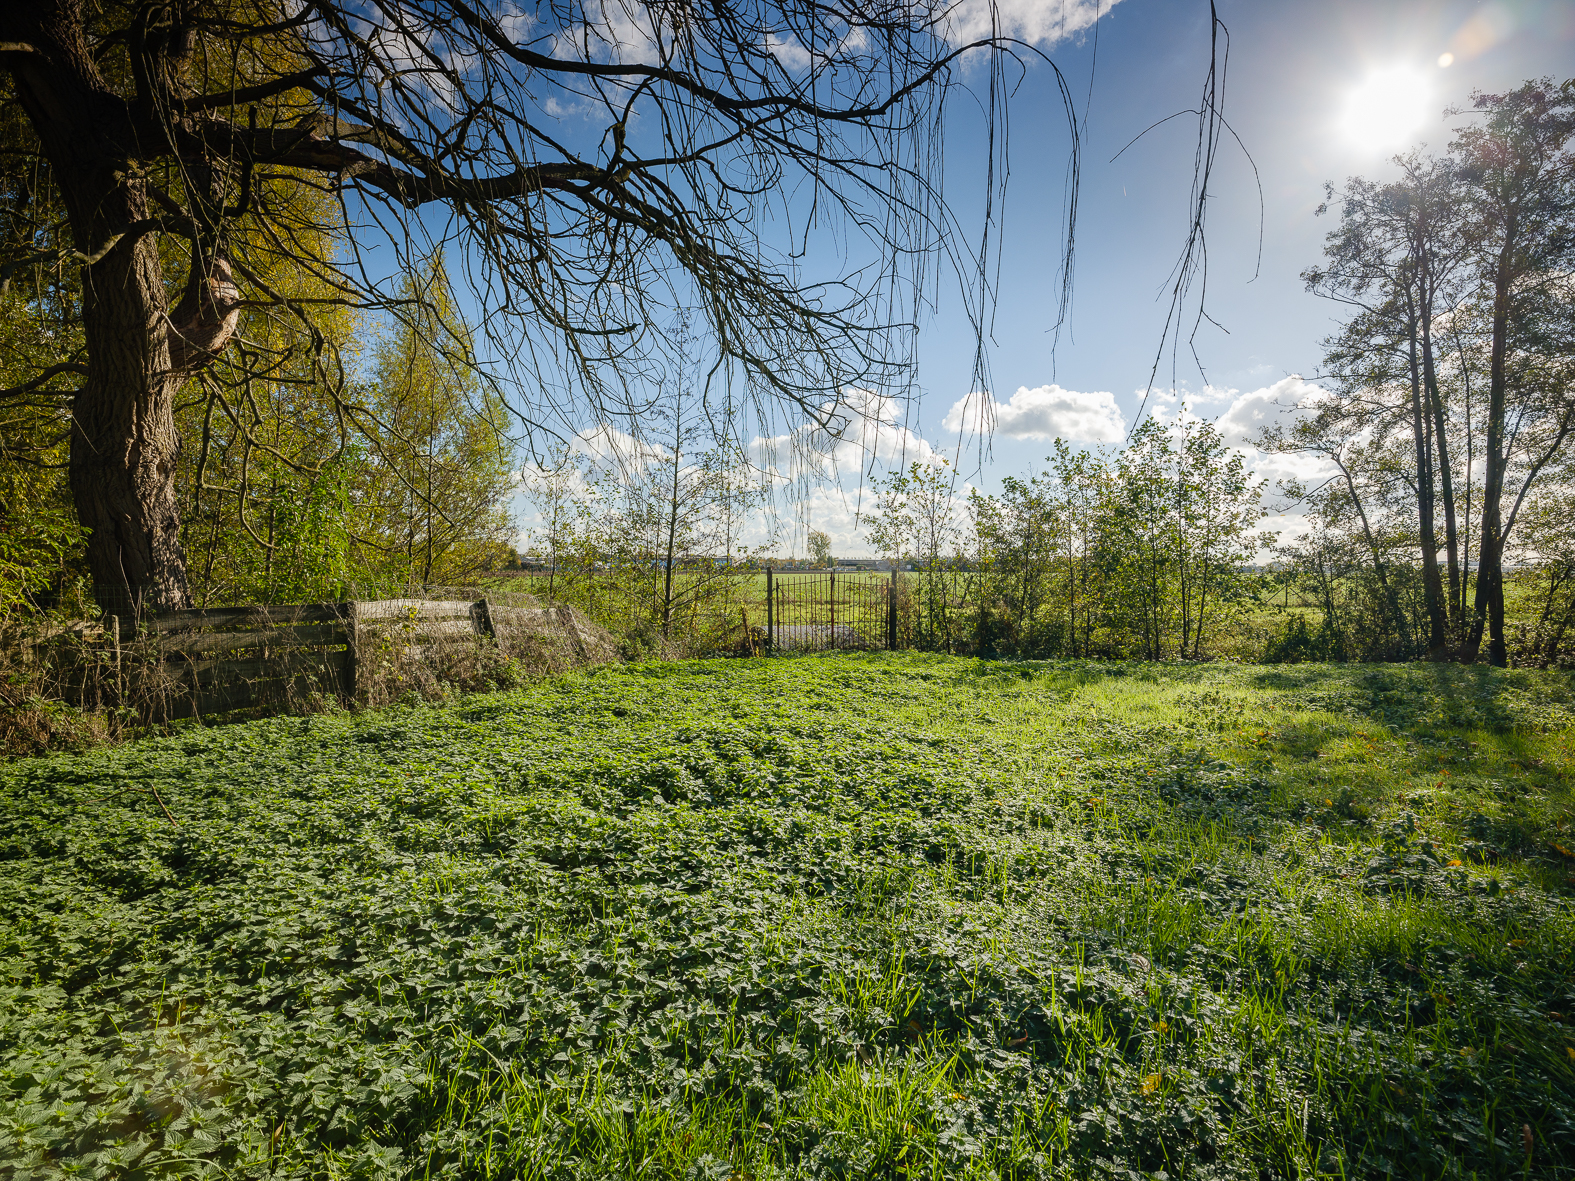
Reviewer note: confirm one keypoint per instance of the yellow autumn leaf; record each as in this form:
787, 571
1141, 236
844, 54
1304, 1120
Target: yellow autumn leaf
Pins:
1161, 1027
1570, 1050
1150, 1084
1454, 863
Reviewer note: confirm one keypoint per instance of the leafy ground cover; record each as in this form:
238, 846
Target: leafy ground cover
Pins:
842, 916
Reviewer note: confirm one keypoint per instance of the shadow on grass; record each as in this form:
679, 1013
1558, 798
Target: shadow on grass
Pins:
1427, 697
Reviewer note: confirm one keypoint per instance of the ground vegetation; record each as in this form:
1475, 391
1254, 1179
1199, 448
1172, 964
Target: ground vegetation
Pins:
896, 915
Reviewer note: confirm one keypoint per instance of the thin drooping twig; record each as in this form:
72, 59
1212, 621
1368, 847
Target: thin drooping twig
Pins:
1191, 266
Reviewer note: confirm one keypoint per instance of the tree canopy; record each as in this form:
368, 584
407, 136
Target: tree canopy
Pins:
207, 165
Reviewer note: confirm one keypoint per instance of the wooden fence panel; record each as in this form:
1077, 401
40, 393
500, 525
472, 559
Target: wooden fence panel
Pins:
182, 643
210, 617
217, 659
229, 657
415, 609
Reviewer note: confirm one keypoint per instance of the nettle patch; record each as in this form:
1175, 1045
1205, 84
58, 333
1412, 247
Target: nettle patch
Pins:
825, 917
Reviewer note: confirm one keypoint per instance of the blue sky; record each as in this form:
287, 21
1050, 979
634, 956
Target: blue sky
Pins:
1295, 71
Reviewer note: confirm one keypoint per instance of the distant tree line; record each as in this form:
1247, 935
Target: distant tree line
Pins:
1449, 403
1142, 554
646, 533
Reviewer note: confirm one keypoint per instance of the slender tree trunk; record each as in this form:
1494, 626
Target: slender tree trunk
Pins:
1489, 605
1433, 408
1446, 481
1432, 583
1466, 580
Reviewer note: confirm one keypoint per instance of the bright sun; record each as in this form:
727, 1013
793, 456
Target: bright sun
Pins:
1387, 110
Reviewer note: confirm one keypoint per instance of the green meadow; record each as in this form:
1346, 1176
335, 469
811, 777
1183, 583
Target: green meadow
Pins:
842, 916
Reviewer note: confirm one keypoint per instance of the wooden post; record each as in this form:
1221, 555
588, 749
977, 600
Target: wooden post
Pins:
114, 642
891, 612
771, 614
347, 612
484, 617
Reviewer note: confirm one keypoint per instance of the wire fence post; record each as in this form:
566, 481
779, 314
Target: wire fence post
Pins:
831, 598
891, 613
771, 615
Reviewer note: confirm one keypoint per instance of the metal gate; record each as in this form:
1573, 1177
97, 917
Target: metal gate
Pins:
849, 610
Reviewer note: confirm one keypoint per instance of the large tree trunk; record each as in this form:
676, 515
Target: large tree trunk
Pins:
124, 445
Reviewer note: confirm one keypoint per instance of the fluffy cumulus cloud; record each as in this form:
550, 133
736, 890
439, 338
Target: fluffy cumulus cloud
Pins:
789, 52
1248, 414
1039, 22
1044, 412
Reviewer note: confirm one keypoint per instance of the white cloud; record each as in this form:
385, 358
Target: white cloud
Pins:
862, 426
1039, 22
1044, 412
789, 52
611, 449
1249, 413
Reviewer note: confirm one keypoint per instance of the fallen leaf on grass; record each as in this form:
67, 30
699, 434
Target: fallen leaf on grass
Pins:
1150, 1084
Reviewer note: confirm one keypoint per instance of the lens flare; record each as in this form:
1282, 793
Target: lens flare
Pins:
1387, 110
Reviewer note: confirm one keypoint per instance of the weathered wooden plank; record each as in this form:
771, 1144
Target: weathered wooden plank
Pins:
492, 594
292, 663
524, 616
416, 629
211, 617
281, 637
415, 609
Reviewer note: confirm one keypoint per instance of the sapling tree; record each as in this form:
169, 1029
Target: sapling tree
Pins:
819, 543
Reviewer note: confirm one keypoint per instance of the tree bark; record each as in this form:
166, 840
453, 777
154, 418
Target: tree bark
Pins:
124, 446
1432, 583
1489, 605
1446, 486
